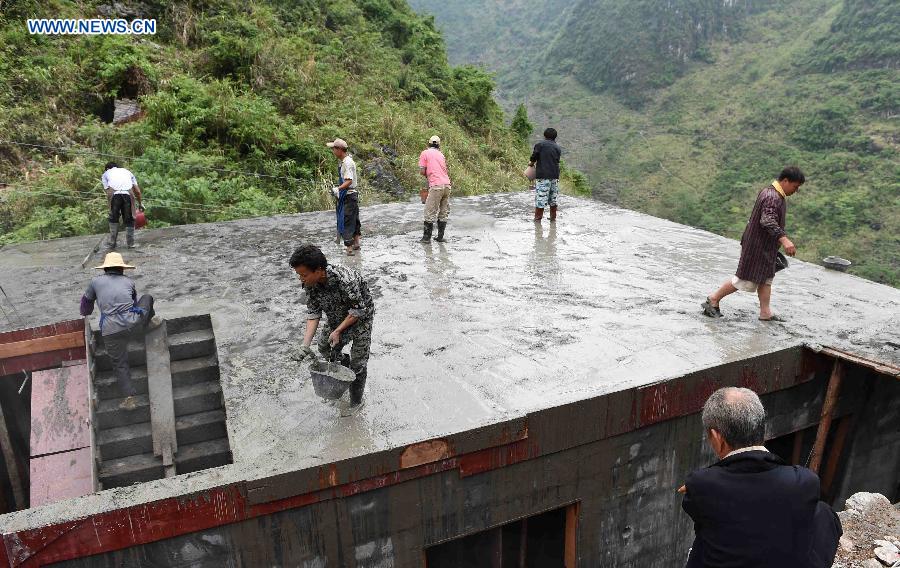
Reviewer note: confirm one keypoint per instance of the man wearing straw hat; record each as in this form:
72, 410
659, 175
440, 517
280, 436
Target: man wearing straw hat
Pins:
121, 314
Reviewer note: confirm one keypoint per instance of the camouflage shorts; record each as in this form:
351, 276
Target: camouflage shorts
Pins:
360, 338
546, 192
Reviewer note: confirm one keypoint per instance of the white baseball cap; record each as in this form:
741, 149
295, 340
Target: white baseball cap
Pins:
338, 143
434, 139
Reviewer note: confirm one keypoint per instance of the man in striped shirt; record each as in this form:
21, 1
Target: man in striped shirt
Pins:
759, 246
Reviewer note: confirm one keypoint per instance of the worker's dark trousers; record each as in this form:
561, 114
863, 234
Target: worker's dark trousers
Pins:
117, 346
352, 226
120, 206
360, 339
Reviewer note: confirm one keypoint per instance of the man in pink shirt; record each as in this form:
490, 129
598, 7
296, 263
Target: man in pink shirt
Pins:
433, 166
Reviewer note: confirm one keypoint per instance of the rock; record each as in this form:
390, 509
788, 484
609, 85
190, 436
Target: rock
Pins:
846, 544
871, 563
863, 502
888, 556
381, 177
886, 544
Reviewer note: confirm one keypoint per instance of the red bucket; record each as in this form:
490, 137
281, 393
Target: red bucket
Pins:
140, 220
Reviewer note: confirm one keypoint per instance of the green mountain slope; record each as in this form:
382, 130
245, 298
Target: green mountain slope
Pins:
238, 101
810, 82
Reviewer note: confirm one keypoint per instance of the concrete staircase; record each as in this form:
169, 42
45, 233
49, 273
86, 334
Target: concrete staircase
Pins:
124, 438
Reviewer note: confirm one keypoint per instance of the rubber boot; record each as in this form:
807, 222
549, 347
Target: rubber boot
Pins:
129, 237
357, 387
552, 213
113, 235
426, 234
442, 226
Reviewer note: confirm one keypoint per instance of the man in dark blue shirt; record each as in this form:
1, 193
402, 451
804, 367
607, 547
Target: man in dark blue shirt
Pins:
750, 509
545, 159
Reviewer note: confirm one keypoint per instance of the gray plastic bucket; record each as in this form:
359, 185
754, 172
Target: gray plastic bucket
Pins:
330, 380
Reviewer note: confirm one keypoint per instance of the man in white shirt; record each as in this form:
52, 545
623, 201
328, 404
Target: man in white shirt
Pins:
122, 191
348, 198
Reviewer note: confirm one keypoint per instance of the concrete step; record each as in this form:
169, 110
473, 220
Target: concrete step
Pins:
204, 455
200, 427
109, 415
189, 399
124, 441
125, 471
132, 469
135, 439
186, 324
192, 344
201, 397
184, 372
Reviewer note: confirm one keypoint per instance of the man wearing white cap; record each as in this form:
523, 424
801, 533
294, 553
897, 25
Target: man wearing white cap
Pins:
121, 313
348, 200
433, 166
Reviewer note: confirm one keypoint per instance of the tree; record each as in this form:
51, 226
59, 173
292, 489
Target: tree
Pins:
521, 126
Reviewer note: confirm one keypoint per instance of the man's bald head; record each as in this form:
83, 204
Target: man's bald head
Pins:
738, 415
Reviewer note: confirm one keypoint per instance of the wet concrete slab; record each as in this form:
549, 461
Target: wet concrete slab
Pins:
504, 319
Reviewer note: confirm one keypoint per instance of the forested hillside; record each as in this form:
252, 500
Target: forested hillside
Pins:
685, 108
238, 99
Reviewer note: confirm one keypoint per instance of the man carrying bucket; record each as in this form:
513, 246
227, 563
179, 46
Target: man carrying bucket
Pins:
343, 295
124, 197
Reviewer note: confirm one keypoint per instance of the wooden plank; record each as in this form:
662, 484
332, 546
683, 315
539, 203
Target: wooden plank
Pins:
58, 328
60, 410
38, 361
42, 344
831, 397
877, 366
92, 409
15, 468
61, 476
162, 401
571, 552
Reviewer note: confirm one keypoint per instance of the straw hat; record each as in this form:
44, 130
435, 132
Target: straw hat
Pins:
113, 260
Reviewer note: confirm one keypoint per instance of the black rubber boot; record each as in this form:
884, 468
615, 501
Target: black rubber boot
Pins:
442, 225
426, 234
113, 235
357, 387
129, 236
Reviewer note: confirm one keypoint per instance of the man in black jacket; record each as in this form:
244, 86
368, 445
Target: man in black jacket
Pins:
750, 509
545, 157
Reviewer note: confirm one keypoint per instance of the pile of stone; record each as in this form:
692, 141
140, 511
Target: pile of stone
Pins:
871, 533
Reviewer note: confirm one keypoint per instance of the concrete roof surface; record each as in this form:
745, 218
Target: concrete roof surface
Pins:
505, 318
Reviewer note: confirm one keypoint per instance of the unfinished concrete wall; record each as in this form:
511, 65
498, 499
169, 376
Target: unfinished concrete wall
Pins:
626, 484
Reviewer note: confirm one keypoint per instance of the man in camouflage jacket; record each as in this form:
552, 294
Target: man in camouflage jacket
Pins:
343, 296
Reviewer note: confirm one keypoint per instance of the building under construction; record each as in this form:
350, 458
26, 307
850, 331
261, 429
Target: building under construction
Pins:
533, 397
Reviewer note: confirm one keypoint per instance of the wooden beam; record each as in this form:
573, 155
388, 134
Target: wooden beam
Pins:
13, 466
58, 328
571, 550
42, 344
831, 398
834, 456
877, 366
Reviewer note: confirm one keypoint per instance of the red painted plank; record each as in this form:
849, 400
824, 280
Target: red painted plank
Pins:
60, 411
57, 328
49, 360
61, 476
